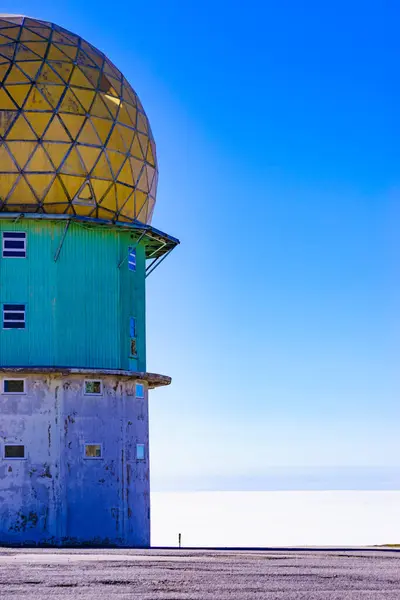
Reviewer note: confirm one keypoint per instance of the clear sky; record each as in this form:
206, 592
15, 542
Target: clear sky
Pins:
277, 128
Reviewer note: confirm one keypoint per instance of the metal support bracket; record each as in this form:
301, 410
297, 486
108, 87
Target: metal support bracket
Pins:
60, 245
155, 263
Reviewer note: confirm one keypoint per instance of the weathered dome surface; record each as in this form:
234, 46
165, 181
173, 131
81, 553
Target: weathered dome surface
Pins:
74, 138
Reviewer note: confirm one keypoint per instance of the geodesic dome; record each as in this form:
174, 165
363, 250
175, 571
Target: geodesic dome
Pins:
74, 138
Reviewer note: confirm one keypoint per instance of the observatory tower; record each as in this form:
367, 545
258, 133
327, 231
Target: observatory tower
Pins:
78, 179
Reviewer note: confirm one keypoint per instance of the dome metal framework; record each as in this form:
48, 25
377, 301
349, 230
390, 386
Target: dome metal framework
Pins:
74, 138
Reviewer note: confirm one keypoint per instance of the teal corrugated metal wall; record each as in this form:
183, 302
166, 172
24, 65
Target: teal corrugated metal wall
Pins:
78, 308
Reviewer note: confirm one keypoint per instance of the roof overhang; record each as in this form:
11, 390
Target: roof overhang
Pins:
158, 243
153, 380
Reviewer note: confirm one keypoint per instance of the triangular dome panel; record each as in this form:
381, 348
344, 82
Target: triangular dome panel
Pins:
85, 194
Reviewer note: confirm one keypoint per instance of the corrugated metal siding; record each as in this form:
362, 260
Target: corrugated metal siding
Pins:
78, 308
132, 286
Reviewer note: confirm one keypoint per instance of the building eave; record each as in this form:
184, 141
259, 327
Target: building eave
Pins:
158, 243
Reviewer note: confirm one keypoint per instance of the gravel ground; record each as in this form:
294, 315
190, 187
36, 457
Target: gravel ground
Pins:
198, 574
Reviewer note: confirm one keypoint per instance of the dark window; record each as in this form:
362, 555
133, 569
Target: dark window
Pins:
93, 388
13, 316
12, 451
14, 386
93, 451
14, 244
133, 347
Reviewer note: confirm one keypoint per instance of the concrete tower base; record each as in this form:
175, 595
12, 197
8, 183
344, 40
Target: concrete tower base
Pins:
82, 476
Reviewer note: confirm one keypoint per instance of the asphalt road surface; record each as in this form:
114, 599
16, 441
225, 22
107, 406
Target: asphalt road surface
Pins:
198, 575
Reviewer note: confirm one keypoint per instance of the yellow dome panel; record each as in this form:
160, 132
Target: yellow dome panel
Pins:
74, 138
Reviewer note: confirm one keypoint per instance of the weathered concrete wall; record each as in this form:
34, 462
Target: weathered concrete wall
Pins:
57, 496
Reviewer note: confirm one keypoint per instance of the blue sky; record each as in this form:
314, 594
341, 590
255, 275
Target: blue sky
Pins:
277, 131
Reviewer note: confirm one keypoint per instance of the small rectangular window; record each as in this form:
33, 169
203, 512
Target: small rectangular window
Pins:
14, 244
13, 386
139, 390
93, 451
133, 347
140, 453
131, 259
13, 316
93, 387
14, 451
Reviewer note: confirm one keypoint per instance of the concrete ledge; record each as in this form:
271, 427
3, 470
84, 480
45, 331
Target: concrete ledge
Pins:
153, 379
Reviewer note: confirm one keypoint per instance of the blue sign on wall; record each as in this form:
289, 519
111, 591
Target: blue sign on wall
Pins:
132, 259
132, 327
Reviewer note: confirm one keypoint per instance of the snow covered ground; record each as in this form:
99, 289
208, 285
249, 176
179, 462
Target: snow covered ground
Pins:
276, 518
